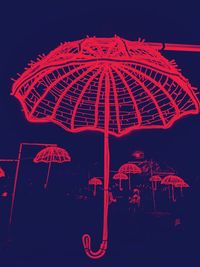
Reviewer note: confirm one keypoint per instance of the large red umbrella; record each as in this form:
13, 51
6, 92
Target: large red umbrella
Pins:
109, 85
50, 155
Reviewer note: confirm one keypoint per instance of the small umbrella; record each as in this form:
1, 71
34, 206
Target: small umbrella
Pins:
182, 185
95, 181
130, 168
2, 173
120, 176
50, 155
172, 180
154, 180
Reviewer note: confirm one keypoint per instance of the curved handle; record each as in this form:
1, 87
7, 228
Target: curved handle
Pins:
86, 239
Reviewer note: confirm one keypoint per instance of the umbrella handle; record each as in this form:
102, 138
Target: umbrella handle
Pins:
87, 247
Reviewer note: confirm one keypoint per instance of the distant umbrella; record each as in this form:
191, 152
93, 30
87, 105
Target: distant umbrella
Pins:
182, 185
172, 180
95, 181
50, 155
154, 180
130, 168
2, 173
120, 176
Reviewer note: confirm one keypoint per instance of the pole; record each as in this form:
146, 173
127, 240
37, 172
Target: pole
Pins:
47, 178
15, 182
86, 238
17, 173
174, 47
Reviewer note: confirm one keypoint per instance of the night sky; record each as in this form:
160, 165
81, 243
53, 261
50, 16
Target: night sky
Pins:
30, 28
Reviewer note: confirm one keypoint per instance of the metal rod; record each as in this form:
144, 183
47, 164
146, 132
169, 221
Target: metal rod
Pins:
17, 172
175, 47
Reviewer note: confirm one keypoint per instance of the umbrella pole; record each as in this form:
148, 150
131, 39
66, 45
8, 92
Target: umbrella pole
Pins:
95, 190
86, 238
120, 184
47, 178
15, 183
129, 181
153, 195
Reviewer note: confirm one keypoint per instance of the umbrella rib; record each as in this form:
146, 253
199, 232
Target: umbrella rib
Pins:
116, 101
98, 98
81, 96
159, 86
139, 117
149, 94
53, 84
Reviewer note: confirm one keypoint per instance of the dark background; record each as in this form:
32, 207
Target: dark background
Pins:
30, 28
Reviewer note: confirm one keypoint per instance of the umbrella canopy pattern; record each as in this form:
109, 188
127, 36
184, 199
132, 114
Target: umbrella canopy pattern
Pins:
50, 155
120, 176
109, 85
68, 87
95, 181
2, 173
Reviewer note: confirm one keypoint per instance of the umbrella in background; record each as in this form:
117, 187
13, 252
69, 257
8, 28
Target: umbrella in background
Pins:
109, 85
182, 185
120, 176
154, 180
95, 181
50, 155
130, 168
2, 173
172, 180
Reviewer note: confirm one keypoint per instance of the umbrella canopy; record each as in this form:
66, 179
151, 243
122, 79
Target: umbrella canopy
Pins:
155, 178
52, 154
68, 87
130, 168
171, 180
2, 173
109, 85
95, 181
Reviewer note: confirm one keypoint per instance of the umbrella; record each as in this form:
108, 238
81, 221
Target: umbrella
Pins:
130, 168
120, 176
2, 173
50, 155
154, 180
182, 185
109, 85
95, 181
172, 180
